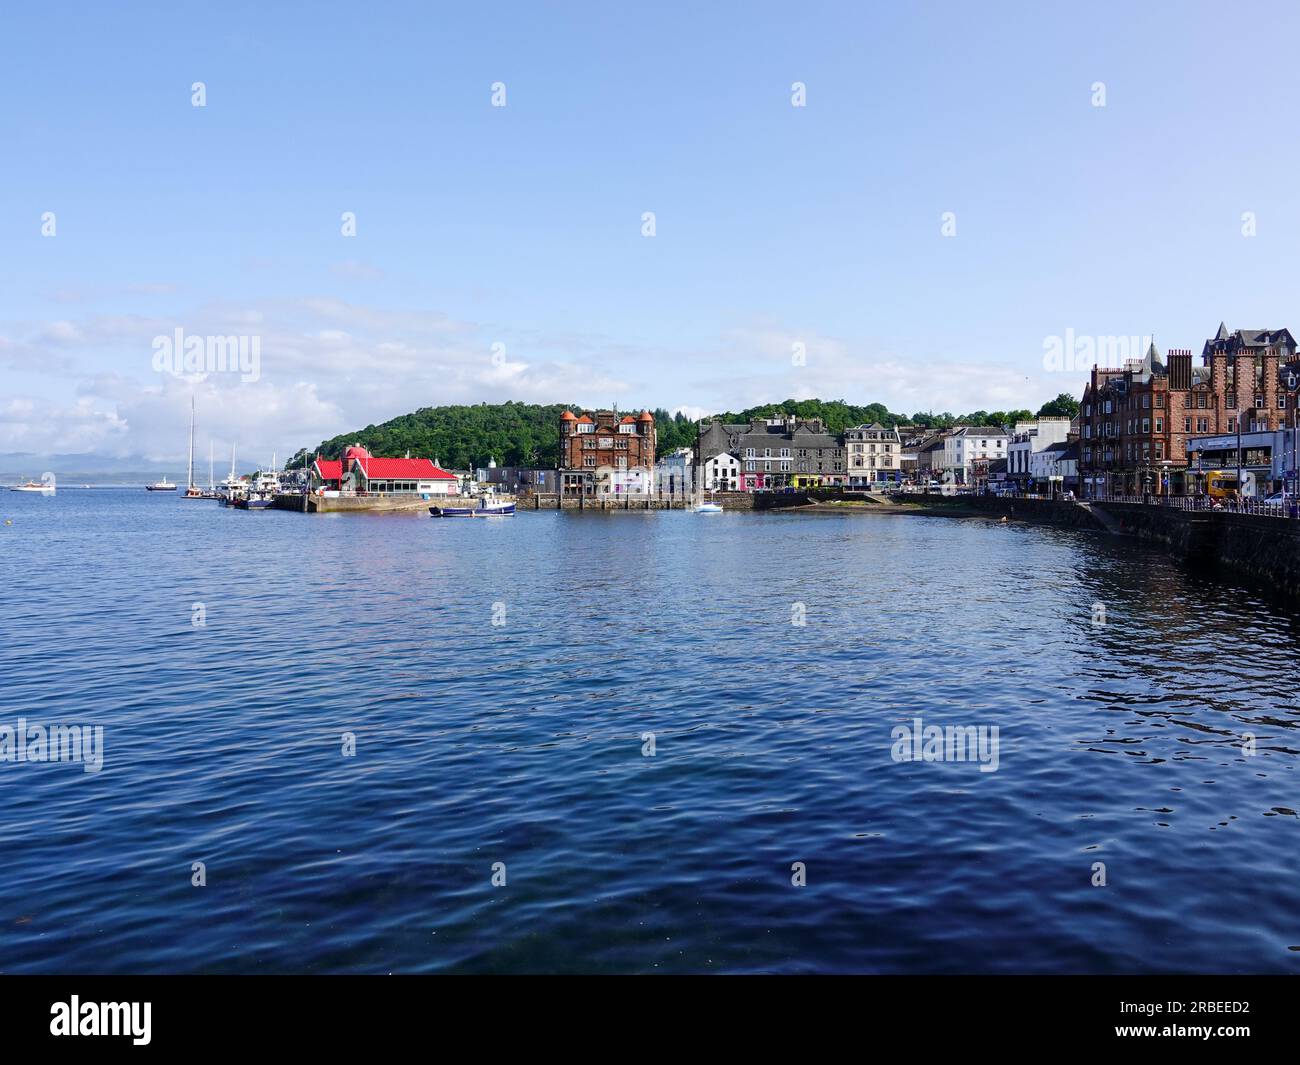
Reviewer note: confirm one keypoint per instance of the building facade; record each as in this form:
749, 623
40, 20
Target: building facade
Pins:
1136, 421
361, 473
1027, 439
872, 453
968, 447
776, 452
604, 451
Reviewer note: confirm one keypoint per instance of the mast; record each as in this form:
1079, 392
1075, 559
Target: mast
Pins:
232, 462
191, 474
211, 480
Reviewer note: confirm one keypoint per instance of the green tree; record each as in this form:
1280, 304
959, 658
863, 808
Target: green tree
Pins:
1063, 406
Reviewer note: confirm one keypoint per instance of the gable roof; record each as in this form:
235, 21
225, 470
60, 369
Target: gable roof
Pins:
417, 469
328, 469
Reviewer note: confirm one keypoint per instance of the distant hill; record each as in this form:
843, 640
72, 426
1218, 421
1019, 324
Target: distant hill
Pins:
86, 469
528, 434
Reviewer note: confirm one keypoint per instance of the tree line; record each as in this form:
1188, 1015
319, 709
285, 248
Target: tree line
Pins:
528, 434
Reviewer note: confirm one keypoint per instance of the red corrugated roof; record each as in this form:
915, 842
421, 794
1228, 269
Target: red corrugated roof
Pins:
421, 469
329, 469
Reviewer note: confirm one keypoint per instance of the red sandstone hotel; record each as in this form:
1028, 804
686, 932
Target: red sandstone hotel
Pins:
1135, 422
604, 442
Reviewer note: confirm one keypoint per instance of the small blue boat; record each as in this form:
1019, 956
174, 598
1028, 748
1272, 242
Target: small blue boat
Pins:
487, 508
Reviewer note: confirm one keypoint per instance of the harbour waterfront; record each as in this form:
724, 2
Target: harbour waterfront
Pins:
523, 742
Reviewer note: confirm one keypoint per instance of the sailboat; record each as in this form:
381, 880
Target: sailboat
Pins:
211, 491
192, 490
701, 507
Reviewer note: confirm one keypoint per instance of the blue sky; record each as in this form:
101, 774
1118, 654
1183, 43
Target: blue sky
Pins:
522, 225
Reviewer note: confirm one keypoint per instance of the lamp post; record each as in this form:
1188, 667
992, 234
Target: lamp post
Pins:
1289, 379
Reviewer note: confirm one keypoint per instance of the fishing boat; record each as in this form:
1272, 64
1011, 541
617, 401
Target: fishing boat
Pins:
486, 506
160, 486
34, 486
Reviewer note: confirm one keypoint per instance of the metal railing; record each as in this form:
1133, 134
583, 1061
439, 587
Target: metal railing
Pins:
1256, 507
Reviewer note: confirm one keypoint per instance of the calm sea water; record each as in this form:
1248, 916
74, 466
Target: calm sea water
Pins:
521, 743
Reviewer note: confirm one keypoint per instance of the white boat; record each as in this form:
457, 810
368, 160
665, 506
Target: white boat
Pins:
34, 486
232, 487
161, 486
488, 504
261, 493
709, 508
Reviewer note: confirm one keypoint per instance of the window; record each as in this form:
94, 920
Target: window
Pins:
1259, 401
1230, 400
749, 454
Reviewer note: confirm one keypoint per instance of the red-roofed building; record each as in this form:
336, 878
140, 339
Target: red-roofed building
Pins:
325, 473
361, 473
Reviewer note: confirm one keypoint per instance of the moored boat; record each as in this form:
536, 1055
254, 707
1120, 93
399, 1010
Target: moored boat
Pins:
260, 494
486, 506
160, 486
192, 490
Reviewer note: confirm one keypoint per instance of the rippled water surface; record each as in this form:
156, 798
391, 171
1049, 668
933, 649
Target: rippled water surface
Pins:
522, 742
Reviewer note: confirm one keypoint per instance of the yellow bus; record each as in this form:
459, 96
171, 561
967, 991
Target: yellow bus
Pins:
1220, 484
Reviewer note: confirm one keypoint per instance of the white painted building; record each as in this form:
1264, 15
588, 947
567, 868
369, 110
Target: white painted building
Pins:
1029, 439
962, 446
674, 472
722, 472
